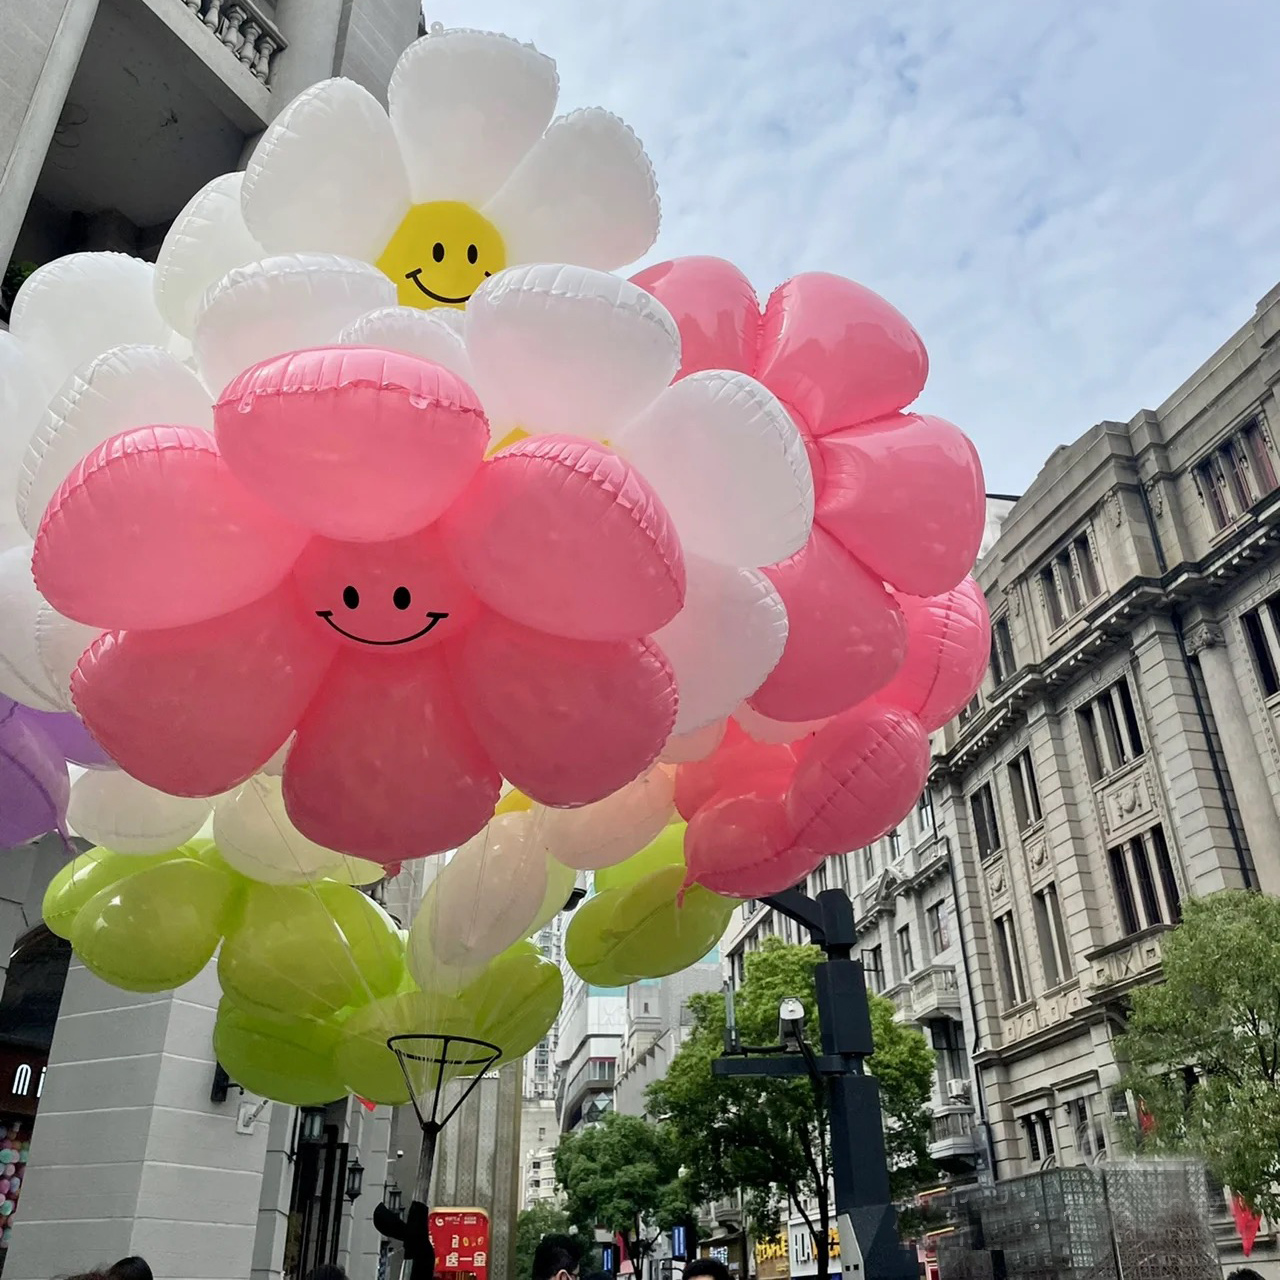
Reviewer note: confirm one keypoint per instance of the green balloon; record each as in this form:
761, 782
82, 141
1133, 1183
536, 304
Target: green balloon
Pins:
666, 850
310, 950
278, 1056
516, 1000
85, 876
655, 927
369, 1068
155, 929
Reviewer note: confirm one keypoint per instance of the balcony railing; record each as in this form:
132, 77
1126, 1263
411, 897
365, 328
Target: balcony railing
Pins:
935, 991
947, 1126
245, 30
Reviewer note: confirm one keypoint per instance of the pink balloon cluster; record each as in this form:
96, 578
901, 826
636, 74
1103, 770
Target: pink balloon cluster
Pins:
340, 562
887, 637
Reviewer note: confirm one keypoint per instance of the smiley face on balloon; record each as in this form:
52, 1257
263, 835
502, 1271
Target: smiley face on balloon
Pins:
441, 254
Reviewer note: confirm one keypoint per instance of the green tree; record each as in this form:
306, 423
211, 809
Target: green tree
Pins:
1217, 1012
768, 1138
541, 1220
624, 1175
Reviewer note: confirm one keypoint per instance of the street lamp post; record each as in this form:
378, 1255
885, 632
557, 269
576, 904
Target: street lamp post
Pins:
869, 1245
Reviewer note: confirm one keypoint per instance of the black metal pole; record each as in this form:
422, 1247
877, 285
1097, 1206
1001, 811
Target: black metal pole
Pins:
859, 1164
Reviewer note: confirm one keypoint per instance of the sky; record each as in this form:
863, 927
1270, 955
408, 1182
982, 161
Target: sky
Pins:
1076, 202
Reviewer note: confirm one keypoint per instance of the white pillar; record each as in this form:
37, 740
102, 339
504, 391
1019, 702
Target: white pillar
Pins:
311, 27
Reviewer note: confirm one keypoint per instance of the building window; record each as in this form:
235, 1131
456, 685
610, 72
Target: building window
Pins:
820, 878
1026, 795
1109, 731
1262, 630
895, 844
1002, 660
1012, 982
1070, 580
873, 967
937, 921
1055, 955
985, 827
1145, 886
1236, 474
924, 810
1090, 1136
1039, 1130
975, 705
869, 863
905, 953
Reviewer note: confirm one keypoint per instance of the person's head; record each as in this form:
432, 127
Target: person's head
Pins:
599, 1275
130, 1269
1244, 1273
557, 1258
710, 1267
327, 1271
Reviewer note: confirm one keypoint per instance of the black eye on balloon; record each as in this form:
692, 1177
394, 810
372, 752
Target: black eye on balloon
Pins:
400, 597
350, 597
437, 251
472, 254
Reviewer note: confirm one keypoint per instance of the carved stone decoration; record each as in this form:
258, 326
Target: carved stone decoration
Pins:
1155, 494
1014, 597
996, 881
1127, 803
1039, 855
1204, 635
1114, 509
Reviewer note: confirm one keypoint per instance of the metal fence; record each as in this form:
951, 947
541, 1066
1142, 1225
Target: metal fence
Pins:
1133, 1221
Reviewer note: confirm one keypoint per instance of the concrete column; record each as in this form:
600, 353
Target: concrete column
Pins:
311, 27
39, 55
26, 874
273, 1201
129, 1155
1248, 778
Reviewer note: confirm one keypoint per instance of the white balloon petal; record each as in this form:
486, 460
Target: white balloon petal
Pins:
560, 882
611, 830
568, 350
327, 175
762, 729
724, 641
22, 400
76, 307
122, 388
60, 643
111, 809
686, 747
255, 835
726, 425
22, 675
585, 193
429, 334
206, 240
466, 107
282, 304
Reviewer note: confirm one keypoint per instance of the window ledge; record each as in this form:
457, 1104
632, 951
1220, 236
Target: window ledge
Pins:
1017, 1010
1118, 775
1032, 831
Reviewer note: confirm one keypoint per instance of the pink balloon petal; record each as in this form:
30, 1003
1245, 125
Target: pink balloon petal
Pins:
745, 847
858, 778
948, 649
195, 711
738, 766
385, 766
567, 722
905, 495
152, 531
837, 354
715, 308
847, 637
353, 442
563, 535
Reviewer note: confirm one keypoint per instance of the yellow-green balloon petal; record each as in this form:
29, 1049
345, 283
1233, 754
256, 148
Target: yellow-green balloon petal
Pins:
667, 850
277, 1055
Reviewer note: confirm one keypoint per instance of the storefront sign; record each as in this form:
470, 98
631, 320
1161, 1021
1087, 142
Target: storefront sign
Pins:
460, 1238
804, 1256
772, 1262
21, 1081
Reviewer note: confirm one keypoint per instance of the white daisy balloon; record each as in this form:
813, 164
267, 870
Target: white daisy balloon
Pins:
465, 174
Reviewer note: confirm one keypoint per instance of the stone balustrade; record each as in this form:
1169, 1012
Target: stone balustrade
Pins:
244, 29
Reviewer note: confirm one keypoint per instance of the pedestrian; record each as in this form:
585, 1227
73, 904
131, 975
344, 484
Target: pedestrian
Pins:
557, 1257
712, 1268
132, 1268
1244, 1273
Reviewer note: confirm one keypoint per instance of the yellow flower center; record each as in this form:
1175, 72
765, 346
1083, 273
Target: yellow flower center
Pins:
441, 254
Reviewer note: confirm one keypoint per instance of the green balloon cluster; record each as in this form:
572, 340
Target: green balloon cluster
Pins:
643, 922
313, 976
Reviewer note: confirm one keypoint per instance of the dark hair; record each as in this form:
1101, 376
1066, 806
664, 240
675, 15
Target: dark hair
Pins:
599, 1275
1245, 1273
130, 1269
327, 1271
556, 1253
712, 1267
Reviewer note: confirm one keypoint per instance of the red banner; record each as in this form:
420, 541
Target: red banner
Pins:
460, 1238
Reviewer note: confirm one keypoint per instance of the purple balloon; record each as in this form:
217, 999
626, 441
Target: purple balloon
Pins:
70, 737
34, 783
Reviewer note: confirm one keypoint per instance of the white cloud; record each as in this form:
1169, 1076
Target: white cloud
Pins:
1075, 201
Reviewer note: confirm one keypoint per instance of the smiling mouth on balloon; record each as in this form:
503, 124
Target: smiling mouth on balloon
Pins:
416, 276
327, 615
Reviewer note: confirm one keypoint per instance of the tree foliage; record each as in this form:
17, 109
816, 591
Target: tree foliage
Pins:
1218, 1013
768, 1138
624, 1175
541, 1220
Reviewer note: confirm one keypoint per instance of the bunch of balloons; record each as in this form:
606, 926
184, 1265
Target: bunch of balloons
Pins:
378, 521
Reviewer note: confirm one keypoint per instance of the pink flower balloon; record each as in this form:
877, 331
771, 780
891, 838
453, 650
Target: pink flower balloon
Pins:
340, 560
899, 495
